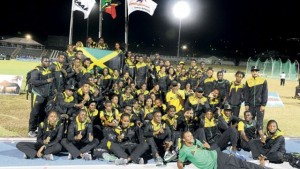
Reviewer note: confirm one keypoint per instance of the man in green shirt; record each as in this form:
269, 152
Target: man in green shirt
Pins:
203, 158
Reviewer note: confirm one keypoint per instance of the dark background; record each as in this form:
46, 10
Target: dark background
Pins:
228, 28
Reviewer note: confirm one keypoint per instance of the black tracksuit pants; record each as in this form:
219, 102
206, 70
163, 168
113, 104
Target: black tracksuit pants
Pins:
226, 161
125, 150
37, 114
257, 149
31, 149
230, 135
77, 148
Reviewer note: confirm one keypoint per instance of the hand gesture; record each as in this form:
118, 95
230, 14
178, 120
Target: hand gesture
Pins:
86, 97
91, 137
205, 144
39, 153
262, 108
49, 80
79, 136
47, 140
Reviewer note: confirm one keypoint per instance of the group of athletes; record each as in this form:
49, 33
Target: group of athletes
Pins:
149, 108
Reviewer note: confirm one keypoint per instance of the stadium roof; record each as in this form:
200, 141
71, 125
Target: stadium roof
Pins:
22, 41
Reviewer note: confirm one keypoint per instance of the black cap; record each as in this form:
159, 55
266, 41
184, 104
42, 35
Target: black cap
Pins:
227, 107
174, 83
199, 90
254, 68
70, 87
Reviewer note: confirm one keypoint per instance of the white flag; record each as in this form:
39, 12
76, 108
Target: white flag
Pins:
84, 6
147, 6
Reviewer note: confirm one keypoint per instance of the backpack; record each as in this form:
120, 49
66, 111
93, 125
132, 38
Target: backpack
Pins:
294, 160
28, 83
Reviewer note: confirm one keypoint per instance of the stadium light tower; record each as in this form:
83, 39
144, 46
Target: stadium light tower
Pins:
28, 36
181, 10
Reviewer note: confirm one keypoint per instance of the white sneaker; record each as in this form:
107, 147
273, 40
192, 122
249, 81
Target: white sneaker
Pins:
169, 156
159, 161
87, 156
70, 156
141, 161
109, 157
31, 134
48, 157
25, 156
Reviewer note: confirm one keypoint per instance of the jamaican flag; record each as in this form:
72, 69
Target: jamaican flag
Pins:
104, 58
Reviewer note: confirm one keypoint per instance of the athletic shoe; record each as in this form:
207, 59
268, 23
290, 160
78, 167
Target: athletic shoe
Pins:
31, 134
159, 161
169, 156
121, 161
109, 157
48, 157
70, 156
25, 156
141, 161
87, 156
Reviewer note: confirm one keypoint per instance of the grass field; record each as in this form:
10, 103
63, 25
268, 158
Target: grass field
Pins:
14, 110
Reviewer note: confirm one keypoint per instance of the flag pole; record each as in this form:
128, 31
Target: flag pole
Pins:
126, 26
87, 27
100, 19
71, 24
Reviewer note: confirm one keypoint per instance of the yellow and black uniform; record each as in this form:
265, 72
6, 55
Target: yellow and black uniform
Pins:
45, 131
70, 53
208, 85
199, 105
109, 116
141, 73
161, 108
158, 94
92, 45
74, 146
92, 115
236, 97
148, 113
124, 142
224, 87
170, 121
102, 46
139, 113
213, 104
213, 135
183, 80
193, 81
162, 81
59, 78
41, 92
106, 83
173, 99
115, 79
144, 92
154, 139
130, 68
250, 131
256, 95
65, 104
126, 100
273, 149
170, 79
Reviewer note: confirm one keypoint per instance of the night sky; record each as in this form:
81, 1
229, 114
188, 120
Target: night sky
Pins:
243, 26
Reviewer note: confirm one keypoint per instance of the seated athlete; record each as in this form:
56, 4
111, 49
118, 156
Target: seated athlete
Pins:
49, 135
202, 156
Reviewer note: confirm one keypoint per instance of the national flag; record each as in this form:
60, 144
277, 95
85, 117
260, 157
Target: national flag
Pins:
84, 6
109, 6
147, 6
104, 58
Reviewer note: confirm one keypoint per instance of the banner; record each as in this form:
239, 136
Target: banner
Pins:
10, 84
147, 6
104, 58
84, 6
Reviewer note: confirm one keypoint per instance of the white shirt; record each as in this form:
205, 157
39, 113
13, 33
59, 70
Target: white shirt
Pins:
282, 76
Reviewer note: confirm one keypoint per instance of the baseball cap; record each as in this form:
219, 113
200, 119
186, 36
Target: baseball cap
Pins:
254, 68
